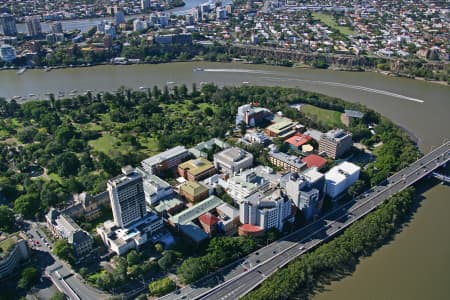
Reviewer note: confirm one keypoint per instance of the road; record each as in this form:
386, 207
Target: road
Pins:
58, 271
241, 277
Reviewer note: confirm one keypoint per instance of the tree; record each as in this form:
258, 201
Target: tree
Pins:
161, 287
167, 260
7, 218
133, 258
64, 250
67, 164
27, 205
159, 247
29, 276
26, 135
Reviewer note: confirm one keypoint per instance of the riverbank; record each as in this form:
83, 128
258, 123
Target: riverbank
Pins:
233, 61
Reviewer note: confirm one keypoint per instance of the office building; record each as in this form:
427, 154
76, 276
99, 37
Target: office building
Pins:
163, 20
110, 29
340, 177
287, 162
221, 13
148, 229
197, 14
155, 188
33, 24
145, 5
7, 53
120, 17
133, 225
196, 169
303, 194
282, 128
194, 191
266, 211
64, 227
166, 160
56, 27
246, 183
335, 143
251, 115
139, 25
14, 250
8, 25
126, 192
233, 160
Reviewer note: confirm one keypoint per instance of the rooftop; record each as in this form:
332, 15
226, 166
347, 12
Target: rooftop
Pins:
167, 204
197, 166
281, 125
336, 134
341, 171
298, 140
314, 160
168, 154
291, 160
193, 188
208, 219
354, 114
196, 210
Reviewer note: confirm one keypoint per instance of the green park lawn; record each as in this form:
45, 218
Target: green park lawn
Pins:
104, 144
330, 22
328, 117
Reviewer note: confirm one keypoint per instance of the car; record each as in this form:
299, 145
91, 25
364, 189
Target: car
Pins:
257, 253
302, 248
274, 251
258, 261
177, 292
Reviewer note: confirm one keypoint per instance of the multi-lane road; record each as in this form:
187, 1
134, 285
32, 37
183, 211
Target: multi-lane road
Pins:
241, 277
59, 272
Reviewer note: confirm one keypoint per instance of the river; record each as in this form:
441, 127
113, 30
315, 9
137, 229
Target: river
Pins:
416, 264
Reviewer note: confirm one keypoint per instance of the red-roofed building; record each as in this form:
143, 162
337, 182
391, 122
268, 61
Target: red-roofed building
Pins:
251, 230
208, 222
314, 160
298, 140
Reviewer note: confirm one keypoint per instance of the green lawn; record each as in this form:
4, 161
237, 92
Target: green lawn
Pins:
6, 245
328, 117
104, 144
150, 145
330, 22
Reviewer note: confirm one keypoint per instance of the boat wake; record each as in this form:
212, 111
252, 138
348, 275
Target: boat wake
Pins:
349, 86
329, 83
240, 71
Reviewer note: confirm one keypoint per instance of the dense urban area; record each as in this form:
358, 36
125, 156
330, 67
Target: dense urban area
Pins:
243, 167
175, 191
402, 38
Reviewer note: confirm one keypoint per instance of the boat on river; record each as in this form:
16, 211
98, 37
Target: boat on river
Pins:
21, 71
199, 69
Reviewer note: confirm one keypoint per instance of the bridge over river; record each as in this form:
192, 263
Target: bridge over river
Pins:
233, 282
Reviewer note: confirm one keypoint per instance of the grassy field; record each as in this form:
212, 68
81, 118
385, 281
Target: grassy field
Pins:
328, 117
330, 22
150, 145
104, 144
